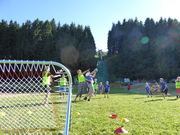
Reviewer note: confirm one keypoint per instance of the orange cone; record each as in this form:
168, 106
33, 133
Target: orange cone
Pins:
120, 130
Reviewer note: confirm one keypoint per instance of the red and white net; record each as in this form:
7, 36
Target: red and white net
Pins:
22, 98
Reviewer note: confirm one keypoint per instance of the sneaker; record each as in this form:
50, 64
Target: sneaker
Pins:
88, 99
85, 98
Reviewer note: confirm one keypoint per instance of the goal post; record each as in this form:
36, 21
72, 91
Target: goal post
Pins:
27, 105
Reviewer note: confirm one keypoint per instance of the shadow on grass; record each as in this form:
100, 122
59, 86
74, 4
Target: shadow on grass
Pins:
153, 100
172, 99
160, 100
82, 100
60, 102
140, 98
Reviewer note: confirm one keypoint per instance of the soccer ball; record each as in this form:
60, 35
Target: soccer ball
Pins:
96, 69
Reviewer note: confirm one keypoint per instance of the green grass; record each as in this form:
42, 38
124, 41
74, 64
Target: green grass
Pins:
146, 115
25, 113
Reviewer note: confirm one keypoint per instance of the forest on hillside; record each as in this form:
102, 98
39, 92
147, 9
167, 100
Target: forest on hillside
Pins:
71, 45
148, 50
136, 49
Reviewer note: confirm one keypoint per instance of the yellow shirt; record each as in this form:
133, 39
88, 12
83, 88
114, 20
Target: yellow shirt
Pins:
81, 78
46, 79
177, 84
63, 81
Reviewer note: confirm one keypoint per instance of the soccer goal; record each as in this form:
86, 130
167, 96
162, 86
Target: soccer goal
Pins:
29, 104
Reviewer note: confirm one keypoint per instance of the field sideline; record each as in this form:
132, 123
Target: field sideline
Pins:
146, 116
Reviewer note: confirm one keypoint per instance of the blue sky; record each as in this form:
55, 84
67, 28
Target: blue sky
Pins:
97, 14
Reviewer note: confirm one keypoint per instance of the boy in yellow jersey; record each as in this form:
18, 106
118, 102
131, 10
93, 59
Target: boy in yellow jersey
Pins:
177, 83
62, 83
46, 81
81, 83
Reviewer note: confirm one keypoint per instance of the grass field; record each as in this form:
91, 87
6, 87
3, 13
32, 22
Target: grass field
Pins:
26, 113
146, 116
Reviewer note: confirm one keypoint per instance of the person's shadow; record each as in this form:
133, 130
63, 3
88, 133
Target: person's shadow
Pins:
153, 100
172, 99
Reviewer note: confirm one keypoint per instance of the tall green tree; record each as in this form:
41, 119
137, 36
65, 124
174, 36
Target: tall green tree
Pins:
144, 51
24, 42
3, 38
11, 41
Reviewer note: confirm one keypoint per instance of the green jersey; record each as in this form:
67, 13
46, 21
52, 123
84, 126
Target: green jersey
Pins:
46, 79
63, 81
81, 78
177, 84
95, 85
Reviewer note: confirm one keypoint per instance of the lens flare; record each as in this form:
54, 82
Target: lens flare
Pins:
144, 40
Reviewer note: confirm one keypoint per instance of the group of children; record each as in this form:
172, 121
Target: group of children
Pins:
93, 87
46, 82
164, 88
150, 90
101, 88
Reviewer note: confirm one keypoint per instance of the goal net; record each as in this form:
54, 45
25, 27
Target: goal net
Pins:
27, 104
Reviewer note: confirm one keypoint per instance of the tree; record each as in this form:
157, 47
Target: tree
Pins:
146, 51
24, 41
3, 38
11, 40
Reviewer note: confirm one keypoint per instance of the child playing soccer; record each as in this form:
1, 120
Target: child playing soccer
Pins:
62, 83
46, 81
95, 85
106, 89
164, 88
148, 91
157, 88
100, 87
89, 78
177, 84
129, 86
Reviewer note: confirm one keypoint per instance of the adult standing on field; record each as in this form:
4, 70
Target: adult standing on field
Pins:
81, 83
164, 88
177, 84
